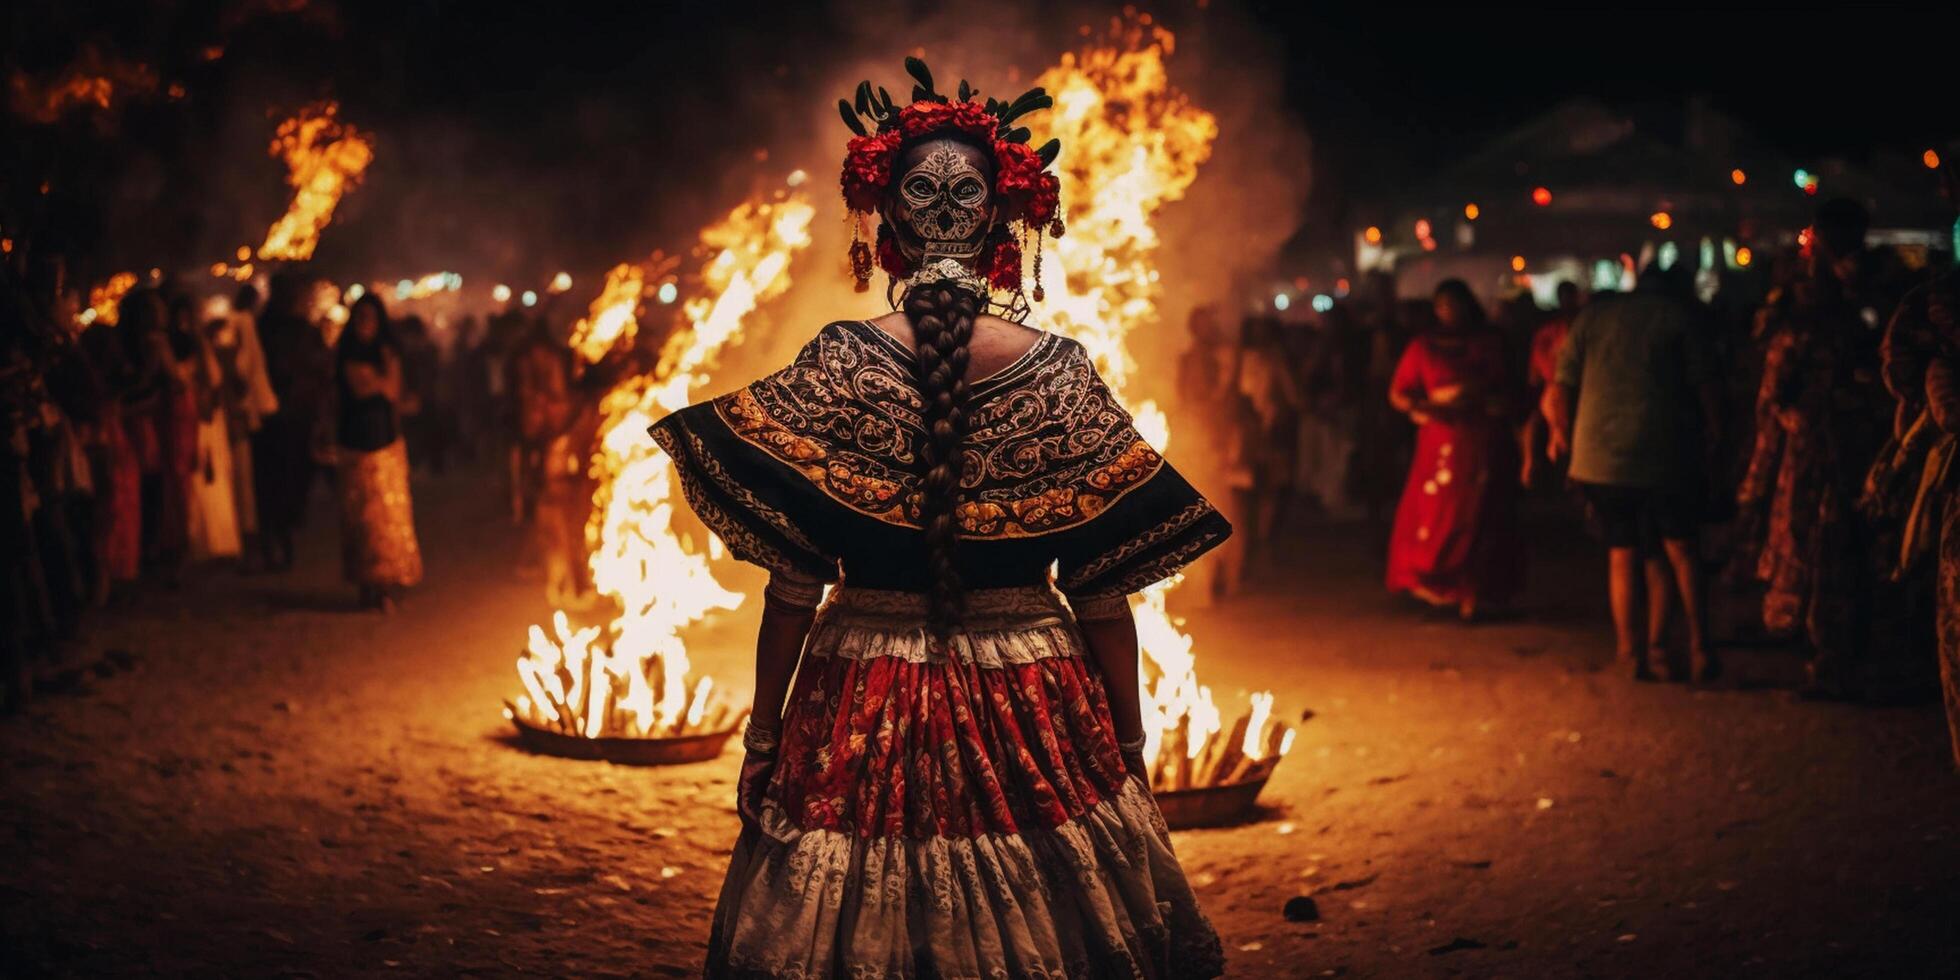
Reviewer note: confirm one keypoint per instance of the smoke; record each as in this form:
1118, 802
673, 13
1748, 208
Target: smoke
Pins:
1246, 202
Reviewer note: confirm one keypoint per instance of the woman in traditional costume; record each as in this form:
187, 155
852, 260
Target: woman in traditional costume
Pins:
379, 553
955, 787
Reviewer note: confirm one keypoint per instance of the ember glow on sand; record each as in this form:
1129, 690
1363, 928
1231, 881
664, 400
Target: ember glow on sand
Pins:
628, 678
1134, 144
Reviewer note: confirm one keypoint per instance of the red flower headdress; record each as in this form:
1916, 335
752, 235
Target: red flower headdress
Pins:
1028, 195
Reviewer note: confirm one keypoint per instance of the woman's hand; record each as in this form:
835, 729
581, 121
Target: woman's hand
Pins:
760, 748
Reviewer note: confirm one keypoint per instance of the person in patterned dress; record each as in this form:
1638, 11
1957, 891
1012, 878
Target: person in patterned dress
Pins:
955, 785
1921, 356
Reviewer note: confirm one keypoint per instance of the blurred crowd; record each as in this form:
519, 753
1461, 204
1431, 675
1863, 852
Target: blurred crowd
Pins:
165, 429
1783, 446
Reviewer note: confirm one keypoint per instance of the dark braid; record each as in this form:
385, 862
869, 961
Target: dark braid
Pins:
942, 318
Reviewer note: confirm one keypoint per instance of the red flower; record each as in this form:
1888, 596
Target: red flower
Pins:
890, 258
972, 118
1026, 193
868, 169
1004, 262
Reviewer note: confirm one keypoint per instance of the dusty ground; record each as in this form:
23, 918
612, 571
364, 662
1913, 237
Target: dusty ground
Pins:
259, 782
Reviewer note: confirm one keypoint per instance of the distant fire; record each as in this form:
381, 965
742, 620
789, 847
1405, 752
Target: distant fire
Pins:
324, 160
1131, 144
628, 677
92, 83
104, 301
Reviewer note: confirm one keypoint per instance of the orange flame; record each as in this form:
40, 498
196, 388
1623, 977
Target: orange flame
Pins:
629, 677
104, 301
1132, 143
93, 82
324, 160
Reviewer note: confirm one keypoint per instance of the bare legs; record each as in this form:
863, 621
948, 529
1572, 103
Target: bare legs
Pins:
1689, 583
1623, 587
1678, 574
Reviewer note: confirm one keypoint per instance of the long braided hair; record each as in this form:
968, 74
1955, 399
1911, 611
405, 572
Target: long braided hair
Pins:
942, 316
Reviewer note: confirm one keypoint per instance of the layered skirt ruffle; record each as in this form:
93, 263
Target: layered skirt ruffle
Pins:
954, 814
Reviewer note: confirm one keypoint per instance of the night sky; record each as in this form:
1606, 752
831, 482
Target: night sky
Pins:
504, 126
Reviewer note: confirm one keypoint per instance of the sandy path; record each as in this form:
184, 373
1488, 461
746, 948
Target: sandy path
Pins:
275, 786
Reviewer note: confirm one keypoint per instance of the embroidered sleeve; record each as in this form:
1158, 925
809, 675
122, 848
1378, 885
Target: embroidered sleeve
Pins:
757, 507
1156, 526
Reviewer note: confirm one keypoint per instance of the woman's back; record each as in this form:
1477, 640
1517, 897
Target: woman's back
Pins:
814, 469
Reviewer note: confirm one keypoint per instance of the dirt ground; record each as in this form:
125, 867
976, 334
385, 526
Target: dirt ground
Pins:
251, 779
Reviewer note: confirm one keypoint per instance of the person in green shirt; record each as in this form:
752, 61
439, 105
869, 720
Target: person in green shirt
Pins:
1634, 401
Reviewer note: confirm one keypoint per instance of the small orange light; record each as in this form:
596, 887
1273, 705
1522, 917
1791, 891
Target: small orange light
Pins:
1743, 257
244, 252
1931, 158
1541, 196
1517, 263
1422, 228
1661, 220
1373, 235
1429, 244
1739, 177
1471, 210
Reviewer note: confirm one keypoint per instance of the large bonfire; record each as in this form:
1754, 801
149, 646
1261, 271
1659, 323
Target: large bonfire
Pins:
629, 677
1134, 144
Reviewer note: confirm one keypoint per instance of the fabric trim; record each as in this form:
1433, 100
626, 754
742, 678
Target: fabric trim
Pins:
1001, 627
1099, 896
692, 463
1103, 609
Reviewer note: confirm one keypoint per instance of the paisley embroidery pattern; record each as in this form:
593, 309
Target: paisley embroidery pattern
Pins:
1047, 448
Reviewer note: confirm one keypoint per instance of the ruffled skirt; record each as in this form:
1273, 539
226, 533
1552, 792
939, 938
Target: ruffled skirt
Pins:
957, 815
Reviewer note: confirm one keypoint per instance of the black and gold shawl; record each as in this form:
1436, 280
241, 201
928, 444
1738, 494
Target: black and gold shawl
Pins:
815, 468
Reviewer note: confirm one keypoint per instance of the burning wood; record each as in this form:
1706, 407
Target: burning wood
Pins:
324, 160
629, 677
1134, 145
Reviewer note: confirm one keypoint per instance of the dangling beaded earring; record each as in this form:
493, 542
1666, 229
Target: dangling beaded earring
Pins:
1039, 293
860, 256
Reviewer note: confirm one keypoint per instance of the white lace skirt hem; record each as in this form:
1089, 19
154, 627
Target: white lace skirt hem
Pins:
1099, 896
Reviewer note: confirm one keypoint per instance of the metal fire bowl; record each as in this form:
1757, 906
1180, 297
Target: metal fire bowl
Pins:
1209, 806
674, 751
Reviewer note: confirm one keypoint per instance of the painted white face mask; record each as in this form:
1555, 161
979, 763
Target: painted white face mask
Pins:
949, 201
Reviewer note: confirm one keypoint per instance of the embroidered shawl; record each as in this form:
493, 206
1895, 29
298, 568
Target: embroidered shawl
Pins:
817, 465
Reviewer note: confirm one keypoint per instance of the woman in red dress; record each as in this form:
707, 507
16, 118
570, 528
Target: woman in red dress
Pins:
1456, 538
955, 786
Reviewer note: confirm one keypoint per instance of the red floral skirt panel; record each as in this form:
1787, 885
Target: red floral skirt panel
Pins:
1008, 730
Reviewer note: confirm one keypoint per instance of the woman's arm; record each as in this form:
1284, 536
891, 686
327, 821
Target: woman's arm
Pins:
789, 607
389, 381
778, 647
1109, 631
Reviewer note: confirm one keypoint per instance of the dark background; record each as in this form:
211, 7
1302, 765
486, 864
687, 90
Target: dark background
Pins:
514, 137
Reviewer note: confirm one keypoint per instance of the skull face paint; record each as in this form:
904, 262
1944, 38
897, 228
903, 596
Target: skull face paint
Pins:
943, 203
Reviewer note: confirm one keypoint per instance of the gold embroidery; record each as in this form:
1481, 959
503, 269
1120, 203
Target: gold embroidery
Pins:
1176, 524
1048, 447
